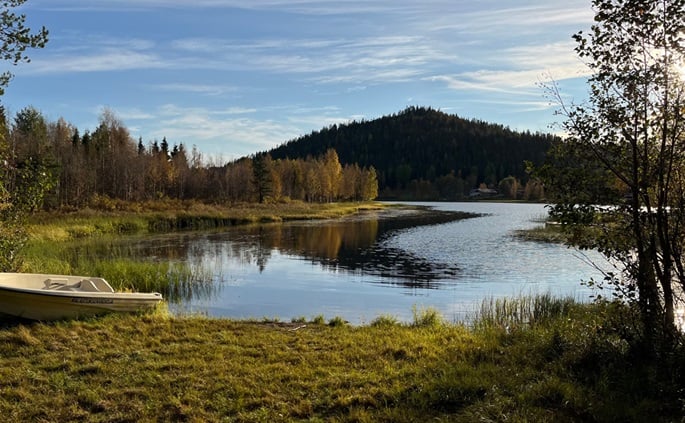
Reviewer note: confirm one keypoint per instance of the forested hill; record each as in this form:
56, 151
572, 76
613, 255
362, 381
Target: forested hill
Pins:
427, 152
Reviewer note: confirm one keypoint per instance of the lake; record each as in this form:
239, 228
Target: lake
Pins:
377, 263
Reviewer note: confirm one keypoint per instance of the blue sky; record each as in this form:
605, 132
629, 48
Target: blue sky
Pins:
233, 77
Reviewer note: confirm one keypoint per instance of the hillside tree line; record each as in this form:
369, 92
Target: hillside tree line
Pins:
108, 162
425, 154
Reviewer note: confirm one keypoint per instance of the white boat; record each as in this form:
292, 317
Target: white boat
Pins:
54, 297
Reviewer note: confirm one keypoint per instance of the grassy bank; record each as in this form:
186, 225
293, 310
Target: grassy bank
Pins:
548, 232
164, 216
571, 363
56, 236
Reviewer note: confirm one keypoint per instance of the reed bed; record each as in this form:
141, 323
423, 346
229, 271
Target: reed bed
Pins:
534, 358
519, 312
176, 281
75, 241
161, 216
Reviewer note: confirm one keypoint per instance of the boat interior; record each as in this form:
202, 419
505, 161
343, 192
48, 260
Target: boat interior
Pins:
84, 285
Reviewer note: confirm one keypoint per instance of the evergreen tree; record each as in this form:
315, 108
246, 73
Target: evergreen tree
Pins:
262, 176
422, 144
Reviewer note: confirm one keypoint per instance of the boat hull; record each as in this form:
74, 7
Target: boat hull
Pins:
21, 297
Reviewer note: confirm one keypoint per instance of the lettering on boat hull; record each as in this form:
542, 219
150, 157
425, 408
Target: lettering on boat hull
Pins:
92, 300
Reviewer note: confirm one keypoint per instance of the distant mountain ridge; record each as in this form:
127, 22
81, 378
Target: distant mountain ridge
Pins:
427, 150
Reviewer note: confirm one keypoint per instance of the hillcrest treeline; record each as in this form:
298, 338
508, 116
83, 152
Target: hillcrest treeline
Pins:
425, 154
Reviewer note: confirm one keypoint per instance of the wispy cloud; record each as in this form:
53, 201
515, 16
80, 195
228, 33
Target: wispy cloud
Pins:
217, 129
358, 60
106, 61
517, 19
412, 52
73, 52
252, 74
309, 7
204, 89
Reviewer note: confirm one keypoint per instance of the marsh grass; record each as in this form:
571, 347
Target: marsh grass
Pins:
544, 233
519, 312
522, 359
55, 236
385, 320
427, 317
176, 281
163, 216
572, 367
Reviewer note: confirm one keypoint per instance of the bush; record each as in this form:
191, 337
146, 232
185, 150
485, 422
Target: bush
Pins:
384, 321
428, 317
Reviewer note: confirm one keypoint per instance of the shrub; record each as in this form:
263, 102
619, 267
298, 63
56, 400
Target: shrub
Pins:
384, 320
428, 317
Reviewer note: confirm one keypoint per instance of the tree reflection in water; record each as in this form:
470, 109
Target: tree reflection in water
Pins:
354, 244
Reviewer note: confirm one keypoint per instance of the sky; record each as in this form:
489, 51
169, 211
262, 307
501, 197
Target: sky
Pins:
235, 77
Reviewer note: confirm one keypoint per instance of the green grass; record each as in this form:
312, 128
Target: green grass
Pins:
575, 364
546, 233
164, 216
524, 311
125, 272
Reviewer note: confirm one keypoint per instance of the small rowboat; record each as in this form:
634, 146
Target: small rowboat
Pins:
56, 297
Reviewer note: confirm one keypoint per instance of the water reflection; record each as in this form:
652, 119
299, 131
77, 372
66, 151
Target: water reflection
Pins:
357, 245
361, 266
354, 244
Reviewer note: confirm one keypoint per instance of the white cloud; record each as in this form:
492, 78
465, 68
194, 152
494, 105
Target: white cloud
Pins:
336, 60
516, 20
414, 47
237, 75
217, 130
309, 7
133, 114
109, 60
206, 89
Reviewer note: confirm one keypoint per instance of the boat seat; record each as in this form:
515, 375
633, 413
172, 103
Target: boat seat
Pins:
88, 286
101, 285
55, 283
60, 284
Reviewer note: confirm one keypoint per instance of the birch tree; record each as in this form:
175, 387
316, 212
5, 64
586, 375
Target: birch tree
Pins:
630, 135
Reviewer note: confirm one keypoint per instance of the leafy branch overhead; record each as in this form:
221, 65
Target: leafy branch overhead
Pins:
22, 184
16, 37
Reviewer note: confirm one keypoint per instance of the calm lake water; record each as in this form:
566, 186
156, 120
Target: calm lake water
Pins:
375, 264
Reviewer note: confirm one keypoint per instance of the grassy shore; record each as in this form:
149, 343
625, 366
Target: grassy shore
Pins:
54, 237
569, 363
114, 217
528, 359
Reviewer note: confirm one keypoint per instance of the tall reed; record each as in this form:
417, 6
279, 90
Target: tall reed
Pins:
519, 312
118, 264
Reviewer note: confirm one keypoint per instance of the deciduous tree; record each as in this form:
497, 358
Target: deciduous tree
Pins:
632, 130
16, 37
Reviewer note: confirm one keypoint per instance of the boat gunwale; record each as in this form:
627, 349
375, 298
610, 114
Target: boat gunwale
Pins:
75, 279
98, 294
